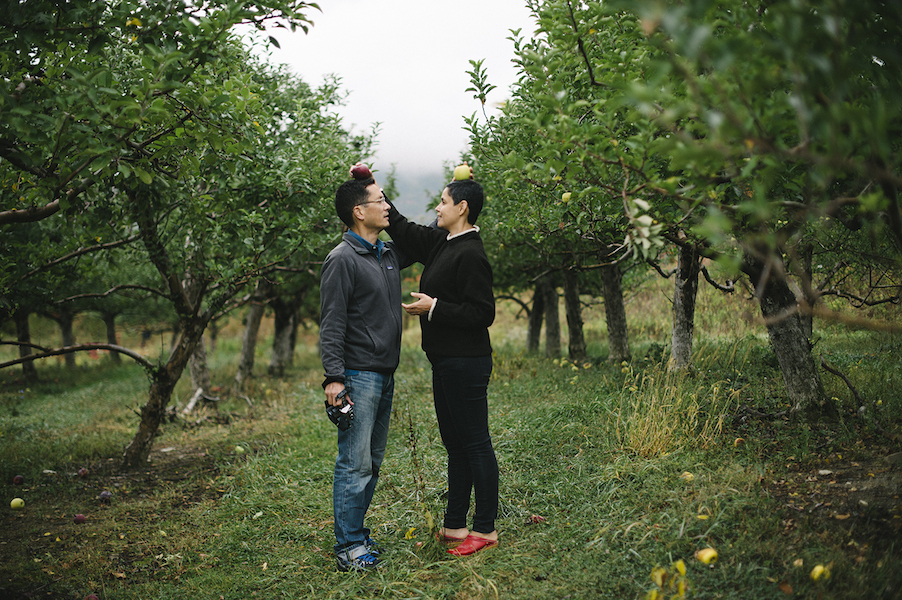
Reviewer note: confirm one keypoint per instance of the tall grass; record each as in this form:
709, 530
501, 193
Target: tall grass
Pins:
660, 411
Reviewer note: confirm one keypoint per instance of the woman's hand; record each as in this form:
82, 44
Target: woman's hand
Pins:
422, 306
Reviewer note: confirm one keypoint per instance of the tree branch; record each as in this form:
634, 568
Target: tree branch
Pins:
78, 348
79, 252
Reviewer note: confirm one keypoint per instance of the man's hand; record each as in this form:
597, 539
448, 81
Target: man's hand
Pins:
332, 390
422, 306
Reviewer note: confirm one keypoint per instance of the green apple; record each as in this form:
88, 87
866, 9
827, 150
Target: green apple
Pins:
565, 197
239, 450
462, 172
17, 504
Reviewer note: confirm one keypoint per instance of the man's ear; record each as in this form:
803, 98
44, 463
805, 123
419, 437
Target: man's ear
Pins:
464, 207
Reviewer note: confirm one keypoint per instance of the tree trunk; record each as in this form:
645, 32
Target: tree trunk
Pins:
66, 319
685, 292
285, 326
808, 290
615, 315
163, 381
213, 333
552, 321
190, 327
23, 335
198, 367
577, 346
252, 327
109, 319
779, 308
534, 332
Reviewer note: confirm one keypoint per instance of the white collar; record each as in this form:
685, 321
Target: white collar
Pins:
464, 232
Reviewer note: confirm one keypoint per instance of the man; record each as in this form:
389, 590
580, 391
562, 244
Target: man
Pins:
360, 335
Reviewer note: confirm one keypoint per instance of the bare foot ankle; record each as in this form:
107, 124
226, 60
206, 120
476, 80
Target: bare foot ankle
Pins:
455, 533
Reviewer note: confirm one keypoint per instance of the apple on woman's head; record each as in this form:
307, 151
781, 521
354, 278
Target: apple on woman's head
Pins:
462, 172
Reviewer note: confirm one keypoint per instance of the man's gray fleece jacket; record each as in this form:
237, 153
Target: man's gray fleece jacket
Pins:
360, 309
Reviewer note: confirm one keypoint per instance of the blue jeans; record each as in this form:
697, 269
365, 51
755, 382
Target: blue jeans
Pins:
460, 390
360, 452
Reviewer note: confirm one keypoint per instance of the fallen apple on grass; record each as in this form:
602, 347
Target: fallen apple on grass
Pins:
106, 496
820, 572
79, 519
706, 555
18, 480
82, 472
17, 504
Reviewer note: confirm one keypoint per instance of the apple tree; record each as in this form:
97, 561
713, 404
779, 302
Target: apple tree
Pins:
737, 132
158, 145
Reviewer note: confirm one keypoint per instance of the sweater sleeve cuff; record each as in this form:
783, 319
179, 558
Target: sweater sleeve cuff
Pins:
333, 378
432, 308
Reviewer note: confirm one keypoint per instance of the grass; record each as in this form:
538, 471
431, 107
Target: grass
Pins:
594, 487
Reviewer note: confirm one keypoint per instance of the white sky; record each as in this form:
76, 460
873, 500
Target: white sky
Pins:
404, 65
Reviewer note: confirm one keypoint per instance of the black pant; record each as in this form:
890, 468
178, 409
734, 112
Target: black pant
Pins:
460, 390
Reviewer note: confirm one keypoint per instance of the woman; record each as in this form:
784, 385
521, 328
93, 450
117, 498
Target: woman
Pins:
456, 307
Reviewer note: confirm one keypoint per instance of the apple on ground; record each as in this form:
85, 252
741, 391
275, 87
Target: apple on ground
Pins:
91, 597
106, 496
17, 504
18, 480
82, 472
79, 519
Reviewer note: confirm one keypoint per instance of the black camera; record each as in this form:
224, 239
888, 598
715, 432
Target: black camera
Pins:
341, 415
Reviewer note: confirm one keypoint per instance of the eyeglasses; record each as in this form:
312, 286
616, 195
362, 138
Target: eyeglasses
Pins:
373, 202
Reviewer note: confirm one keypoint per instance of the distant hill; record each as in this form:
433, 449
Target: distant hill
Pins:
417, 192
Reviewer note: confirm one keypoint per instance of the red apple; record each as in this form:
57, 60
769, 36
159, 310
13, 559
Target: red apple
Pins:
91, 597
106, 496
79, 519
82, 472
18, 480
361, 171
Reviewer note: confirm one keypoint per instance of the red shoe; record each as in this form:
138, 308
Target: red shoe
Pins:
447, 540
471, 545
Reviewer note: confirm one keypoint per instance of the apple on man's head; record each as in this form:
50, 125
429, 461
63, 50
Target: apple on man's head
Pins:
360, 171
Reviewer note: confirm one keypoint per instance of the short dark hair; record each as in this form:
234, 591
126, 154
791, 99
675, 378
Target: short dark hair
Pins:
350, 194
469, 190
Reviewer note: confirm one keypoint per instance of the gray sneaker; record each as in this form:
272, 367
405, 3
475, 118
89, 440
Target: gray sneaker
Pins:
358, 559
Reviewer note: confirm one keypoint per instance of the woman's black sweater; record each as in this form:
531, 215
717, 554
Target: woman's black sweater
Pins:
456, 272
